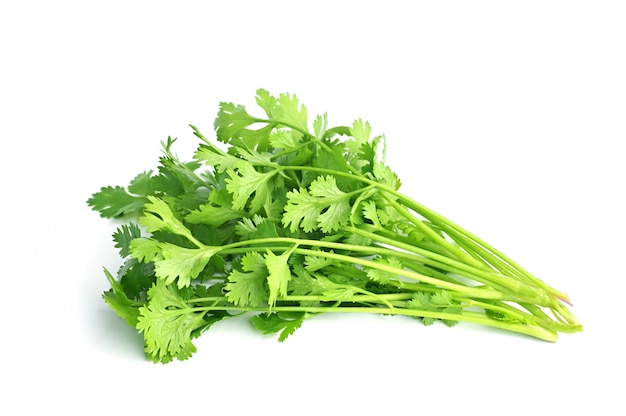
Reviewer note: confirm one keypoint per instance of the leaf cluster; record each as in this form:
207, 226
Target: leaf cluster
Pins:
286, 218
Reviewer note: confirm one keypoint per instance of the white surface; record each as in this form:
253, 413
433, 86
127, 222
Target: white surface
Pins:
508, 117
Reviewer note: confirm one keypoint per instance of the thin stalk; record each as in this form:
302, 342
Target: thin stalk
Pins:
514, 288
483, 293
465, 316
510, 285
456, 251
436, 219
479, 292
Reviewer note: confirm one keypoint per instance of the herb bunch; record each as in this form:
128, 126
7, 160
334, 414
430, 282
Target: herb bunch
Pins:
286, 219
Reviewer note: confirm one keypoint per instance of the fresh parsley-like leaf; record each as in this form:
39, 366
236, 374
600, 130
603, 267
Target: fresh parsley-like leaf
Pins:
182, 264
124, 235
324, 206
279, 275
115, 201
247, 288
245, 182
167, 323
286, 323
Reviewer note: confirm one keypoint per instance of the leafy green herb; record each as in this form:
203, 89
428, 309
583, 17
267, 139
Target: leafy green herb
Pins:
286, 222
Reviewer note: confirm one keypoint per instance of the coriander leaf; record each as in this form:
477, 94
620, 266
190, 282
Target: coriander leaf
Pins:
158, 216
384, 276
292, 112
279, 275
116, 298
336, 131
441, 302
367, 157
320, 124
167, 323
216, 212
212, 156
257, 158
301, 211
266, 101
231, 119
145, 249
124, 235
315, 263
115, 201
123, 307
360, 133
455, 310
442, 298
143, 184
325, 207
245, 182
286, 110
248, 287
371, 213
285, 139
386, 176
287, 323
135, 278
182, 264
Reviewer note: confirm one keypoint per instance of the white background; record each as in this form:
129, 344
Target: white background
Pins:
507, 117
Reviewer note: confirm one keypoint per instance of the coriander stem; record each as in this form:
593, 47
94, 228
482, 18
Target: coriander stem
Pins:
466, 316
483, 293
512, 286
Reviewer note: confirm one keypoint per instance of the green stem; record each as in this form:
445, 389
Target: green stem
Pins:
514, 288
511, 286
483, 293
466, 316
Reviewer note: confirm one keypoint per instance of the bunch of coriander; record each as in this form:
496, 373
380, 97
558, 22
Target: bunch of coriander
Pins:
285, 220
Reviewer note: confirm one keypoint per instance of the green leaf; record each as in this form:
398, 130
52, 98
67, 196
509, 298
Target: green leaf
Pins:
360, 133
442, 298
283, 322
371, 213
266, 101
325, 207
441, 301
145, 249
212, 156
124, 235
384, 276
216, 212
231, 120
320, 124
247, 181
279, 275
115, 201
336, 131
123, 307
257, 158
158, 216
286, 109
116, 298
135, 278
285, 139
143, 184
182, 264
247, 288
167, 323
301, 211
386, 176
314, 263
